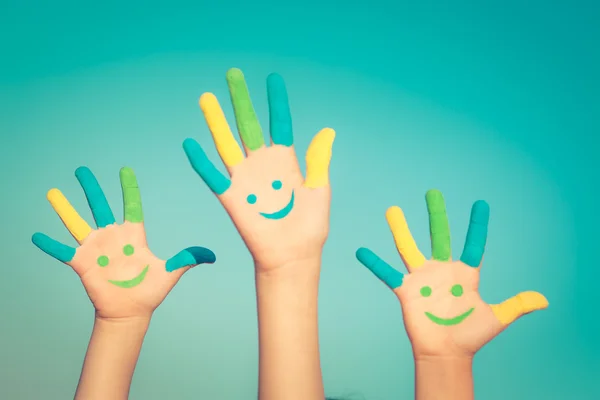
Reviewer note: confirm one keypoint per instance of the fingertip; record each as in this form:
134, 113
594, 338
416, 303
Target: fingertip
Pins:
37, 237
365, 256
481, 209
234, 74
53, 194
274, 79
393, 213
206, 99
433, 194
82, 171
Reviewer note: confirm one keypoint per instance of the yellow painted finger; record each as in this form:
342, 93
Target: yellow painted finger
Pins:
226, 145
515, 307
72, 220
405, 243
318, 157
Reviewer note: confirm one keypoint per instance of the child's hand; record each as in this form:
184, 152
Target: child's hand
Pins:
443, 312
281, 216
120, 274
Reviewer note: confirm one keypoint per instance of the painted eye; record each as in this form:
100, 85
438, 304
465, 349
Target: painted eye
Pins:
457, 290
251, 199
128, 250
102, 261
425, 291
276, 185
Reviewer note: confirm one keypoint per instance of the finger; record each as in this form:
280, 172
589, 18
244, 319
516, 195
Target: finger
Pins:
72, 220
55, 249
438, 226
318, 157
525, 302
226, 145
476, 234
245, 116
132, 198
405, 243
191, 256
280, 117
215, 180
385, 272
95, 197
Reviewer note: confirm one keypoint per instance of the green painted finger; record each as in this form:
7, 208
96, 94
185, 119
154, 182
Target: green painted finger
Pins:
245, 116
438, 226
132, 199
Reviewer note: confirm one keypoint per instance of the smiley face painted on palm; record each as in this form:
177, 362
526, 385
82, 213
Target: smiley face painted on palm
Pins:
128, 250
277, 185
456, 291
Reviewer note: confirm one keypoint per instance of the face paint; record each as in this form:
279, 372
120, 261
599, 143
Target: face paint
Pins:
282, 213
103, 261
457, 291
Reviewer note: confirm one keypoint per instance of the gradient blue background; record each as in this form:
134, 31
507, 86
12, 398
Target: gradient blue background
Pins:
496, 101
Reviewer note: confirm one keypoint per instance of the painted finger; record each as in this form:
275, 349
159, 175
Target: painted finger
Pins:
438, 226
72, 220
132, 198
525, 302
382, 270
476, 234
191, 256
95, 197
245, 116
280, 117
405, 243
318, 158
214, 179
53, 248
226, 145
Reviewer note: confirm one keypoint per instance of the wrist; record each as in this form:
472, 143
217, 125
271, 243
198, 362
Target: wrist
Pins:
447, 377
125, 325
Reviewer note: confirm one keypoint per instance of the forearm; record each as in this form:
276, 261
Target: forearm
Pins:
289, 366
443, 378
111, 358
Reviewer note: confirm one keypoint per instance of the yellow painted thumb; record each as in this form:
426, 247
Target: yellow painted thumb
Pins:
515, 307
318, 157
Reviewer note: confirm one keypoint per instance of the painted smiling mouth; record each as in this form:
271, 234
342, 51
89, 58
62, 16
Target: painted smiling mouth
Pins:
132, 282
281, 213
449, 321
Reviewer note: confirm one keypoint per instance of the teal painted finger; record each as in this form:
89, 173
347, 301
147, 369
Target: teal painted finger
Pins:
132, 198
385, 272
190, 256
55, 249
438, 226
476, 234
245, 116
215, 180
95, 197
280, 116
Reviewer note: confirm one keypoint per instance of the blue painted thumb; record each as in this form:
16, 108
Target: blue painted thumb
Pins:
191, 256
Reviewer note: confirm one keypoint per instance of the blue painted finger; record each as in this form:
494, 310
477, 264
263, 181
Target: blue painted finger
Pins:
476, 234
53, 248
215, 180
280, 117
190, 256
95, 197
385, 272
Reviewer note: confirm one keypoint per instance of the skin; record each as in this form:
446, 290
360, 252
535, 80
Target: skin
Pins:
124, 280
445, 317
286, 249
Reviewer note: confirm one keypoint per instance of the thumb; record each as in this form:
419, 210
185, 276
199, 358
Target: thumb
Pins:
318, 157
191, 257
514, 308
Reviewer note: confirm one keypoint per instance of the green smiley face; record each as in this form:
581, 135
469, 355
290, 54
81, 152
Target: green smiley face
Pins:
128, 250
457, 291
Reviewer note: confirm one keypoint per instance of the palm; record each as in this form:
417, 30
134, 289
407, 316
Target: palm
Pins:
280, 215
443, 312
298, 233
119, 272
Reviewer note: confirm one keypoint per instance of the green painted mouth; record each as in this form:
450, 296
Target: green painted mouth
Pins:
449, 321
132, 282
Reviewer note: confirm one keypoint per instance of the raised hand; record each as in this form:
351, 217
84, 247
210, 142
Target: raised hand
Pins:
443, 312
281, 216
122, 277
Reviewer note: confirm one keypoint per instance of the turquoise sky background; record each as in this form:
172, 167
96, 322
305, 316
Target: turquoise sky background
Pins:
492, 101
